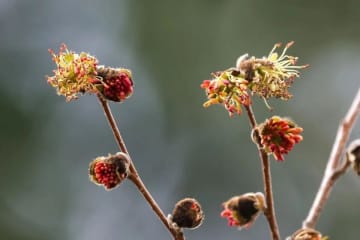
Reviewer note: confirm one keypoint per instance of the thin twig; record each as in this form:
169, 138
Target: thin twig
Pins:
269, 212
333, 169
134, 176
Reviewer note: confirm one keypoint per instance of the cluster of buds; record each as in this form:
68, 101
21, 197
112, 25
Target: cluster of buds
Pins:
79, 74
266, 77
279, 135
187, 213
109, 171
116, 83
241, 211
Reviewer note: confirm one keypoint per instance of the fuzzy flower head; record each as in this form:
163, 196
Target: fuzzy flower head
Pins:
279, 135
109, 171
271, 76
187, 213
228, 88
241, 211
115, 84
74, 74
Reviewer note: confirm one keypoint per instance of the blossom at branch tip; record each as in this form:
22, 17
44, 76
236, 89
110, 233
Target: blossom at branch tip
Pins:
228, 88
74, 73
271, 76
279, 135
78, 74
241, 211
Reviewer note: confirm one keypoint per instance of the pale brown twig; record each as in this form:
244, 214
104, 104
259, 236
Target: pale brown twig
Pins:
334, 168
269, 212
134, 176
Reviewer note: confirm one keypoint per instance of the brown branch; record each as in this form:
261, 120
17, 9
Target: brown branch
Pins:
269, 212
134, 176
334, 168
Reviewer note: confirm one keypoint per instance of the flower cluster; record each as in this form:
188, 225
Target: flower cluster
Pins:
266, 77
241, 211
272, 76
279, 135
78, 74
74, 74
187, 213
228, 88
109, 171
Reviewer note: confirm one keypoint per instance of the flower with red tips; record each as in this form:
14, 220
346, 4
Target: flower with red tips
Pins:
116, 83
241, 211
279, 135
228, 88
109, 171
74, 73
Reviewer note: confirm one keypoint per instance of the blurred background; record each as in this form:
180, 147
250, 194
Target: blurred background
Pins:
180, 148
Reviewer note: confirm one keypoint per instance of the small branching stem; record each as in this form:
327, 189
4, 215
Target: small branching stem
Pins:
134, 176
335, 167
269, 212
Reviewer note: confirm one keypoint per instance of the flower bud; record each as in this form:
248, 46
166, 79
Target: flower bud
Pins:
187, 213
306, 234
353, 155
116, 83
109, 171
241, 211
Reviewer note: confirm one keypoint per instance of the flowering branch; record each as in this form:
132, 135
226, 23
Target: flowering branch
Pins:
334, 168
134, 176
269, 211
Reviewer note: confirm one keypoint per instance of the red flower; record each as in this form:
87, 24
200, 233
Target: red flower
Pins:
115, 84
279, 135
109, 171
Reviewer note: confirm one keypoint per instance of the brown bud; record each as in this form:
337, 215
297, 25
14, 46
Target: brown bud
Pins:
306, 234
241, 211
353, 155
187, 213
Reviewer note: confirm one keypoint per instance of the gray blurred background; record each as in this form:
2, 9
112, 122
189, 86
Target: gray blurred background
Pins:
180, 148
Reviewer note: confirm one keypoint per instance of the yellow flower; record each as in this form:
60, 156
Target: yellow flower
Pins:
273, 75
75, 73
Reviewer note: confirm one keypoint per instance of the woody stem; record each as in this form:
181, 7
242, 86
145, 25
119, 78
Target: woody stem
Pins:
334, 168
269, 211
134, 176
